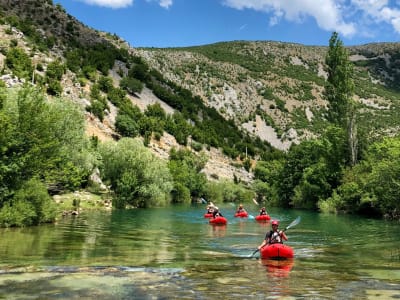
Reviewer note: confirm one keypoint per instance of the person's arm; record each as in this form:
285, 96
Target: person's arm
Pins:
262, 244
283, 235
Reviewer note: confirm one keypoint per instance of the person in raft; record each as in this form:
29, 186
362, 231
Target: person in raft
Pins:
216, 213
240, 209
263, 212
274, 236
210, 208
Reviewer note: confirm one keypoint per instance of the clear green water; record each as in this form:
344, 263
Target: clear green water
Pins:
173, 253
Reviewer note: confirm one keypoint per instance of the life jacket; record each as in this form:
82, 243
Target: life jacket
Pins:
274, 237
217, 214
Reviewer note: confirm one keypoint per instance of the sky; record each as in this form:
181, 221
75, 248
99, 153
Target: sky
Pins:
180, 23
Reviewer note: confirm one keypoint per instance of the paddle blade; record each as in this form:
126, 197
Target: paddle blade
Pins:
251, 255
294, 223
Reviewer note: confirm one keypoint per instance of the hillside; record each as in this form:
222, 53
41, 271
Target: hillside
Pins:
274, 90
270, 90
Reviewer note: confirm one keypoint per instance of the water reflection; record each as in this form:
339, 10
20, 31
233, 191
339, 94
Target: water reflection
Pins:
218, 231
278, 268
264, 224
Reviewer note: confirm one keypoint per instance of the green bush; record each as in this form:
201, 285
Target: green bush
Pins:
126, 126
19, 63
131, 85
31, 205
138, 177
18, 214
54, 88
97, 108
180, 193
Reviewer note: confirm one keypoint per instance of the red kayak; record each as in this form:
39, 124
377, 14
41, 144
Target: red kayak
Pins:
242, 214
276, 251
208, 215
263, 218
218, 221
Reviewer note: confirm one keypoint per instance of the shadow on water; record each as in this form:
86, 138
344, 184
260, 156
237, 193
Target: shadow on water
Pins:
174, 253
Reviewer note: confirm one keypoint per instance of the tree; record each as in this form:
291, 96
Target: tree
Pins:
137, 176
55, 70
131, 85
383, 181
227, 191
51, 135
312, 186
43, 148
266, 176
185, 167
339, 86
139, 71
372, 186
126, 125
339, 90
155, 110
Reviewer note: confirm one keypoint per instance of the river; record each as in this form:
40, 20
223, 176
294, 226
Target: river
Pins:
173, 253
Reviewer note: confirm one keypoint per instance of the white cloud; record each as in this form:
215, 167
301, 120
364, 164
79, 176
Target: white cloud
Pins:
379, 11
275, 18
110, 3
163, 3
396, 24
347, 17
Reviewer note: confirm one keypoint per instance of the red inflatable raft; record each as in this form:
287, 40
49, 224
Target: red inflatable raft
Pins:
242, 214
276, 251
208, 215
218, 221
263, 218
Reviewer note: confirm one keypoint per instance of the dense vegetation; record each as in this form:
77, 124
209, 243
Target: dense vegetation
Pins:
42, 149
337, 172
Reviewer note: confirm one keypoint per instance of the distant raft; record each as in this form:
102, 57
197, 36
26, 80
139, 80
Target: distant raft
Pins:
218, 221
263, 218
207, 215
242, 214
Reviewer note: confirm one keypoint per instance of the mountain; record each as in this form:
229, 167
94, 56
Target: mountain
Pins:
274, 90
270, 94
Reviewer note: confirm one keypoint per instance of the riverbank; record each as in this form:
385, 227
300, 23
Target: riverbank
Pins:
79, 201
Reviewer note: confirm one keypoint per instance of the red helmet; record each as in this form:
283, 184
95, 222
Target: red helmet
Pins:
275, 222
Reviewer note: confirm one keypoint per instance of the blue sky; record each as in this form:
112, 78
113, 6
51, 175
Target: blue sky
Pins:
177, 23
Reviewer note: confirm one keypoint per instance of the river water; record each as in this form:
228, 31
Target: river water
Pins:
173, 253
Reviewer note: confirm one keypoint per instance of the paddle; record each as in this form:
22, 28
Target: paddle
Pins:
294, 223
